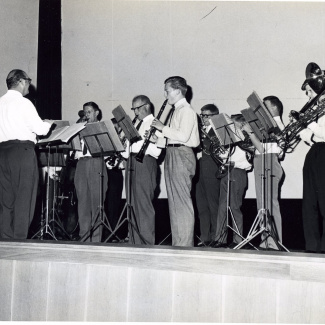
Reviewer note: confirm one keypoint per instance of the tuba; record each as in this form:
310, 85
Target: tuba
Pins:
215, 150
288, 138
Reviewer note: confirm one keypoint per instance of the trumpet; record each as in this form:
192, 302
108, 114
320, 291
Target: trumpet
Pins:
288, 138
140, 155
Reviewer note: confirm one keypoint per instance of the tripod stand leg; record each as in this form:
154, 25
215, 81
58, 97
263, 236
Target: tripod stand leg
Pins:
120, 222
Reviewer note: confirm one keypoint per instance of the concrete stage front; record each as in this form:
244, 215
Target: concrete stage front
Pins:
60, 281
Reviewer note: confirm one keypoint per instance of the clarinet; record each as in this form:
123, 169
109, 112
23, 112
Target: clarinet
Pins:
140, 155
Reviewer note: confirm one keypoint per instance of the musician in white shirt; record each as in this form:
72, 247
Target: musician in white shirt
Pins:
267, 155
143, 177
180, 164
313, 203
88, 176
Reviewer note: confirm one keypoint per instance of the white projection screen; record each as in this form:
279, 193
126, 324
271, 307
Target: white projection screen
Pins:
113, 50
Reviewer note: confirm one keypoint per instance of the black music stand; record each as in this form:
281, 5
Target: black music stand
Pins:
228, 135
259, 118
54, 158
101, 139
132, 134
60, 137
262, 125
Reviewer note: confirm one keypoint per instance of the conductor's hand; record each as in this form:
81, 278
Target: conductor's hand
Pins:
157, 124
49, 121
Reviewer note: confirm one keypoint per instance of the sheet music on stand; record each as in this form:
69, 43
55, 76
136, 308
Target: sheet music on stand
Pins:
101, 138
125, 122
226, 130
61, 138
259, 118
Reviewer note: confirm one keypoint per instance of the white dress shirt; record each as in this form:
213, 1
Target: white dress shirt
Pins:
152, 149
19, 119
314, 128
183, 128
238, 157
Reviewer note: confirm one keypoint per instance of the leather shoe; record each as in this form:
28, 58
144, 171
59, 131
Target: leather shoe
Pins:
204, 244
232, 245
218, 245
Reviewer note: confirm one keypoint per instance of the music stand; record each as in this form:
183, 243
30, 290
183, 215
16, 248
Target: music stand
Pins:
260, 224
100, 139
262, 124
132, 134
259, 118
228, 135
60, 137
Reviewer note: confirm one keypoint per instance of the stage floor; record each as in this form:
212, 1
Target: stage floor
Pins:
66, 281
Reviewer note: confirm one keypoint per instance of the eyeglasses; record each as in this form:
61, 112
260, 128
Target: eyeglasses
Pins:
28, 79
207, 115
134, 108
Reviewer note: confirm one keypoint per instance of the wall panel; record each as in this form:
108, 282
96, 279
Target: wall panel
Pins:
79, 282
113, 50
30, 291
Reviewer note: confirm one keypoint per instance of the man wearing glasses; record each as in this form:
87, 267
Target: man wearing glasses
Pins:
143, 177
19, 125
208, 186
182, 136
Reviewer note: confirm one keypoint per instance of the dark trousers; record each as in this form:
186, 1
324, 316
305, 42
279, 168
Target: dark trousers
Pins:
142, 188
237, 188
313, 203
18, 187
113, 199
207, 197
87, 181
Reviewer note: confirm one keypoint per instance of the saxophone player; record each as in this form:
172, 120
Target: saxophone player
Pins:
143, 176
313, 203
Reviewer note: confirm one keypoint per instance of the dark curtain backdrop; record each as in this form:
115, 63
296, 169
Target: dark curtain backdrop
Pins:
48, 93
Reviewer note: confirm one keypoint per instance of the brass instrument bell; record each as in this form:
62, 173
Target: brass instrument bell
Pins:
314, 78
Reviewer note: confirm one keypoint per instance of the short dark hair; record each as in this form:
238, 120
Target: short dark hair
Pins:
177, 82
14, 77
211, 107
238, 118
275, 101
96, 109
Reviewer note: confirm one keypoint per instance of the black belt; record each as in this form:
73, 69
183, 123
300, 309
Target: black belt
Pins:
26, 143
175, 145
84, 158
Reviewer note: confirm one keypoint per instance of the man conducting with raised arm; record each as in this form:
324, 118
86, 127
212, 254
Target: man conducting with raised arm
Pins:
19, 125
183, 135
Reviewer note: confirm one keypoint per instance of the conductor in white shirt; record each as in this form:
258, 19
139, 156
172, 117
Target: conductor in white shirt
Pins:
19, 125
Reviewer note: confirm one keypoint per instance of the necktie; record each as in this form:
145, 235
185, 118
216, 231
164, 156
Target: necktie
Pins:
171, 113
84, 150
138, 126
